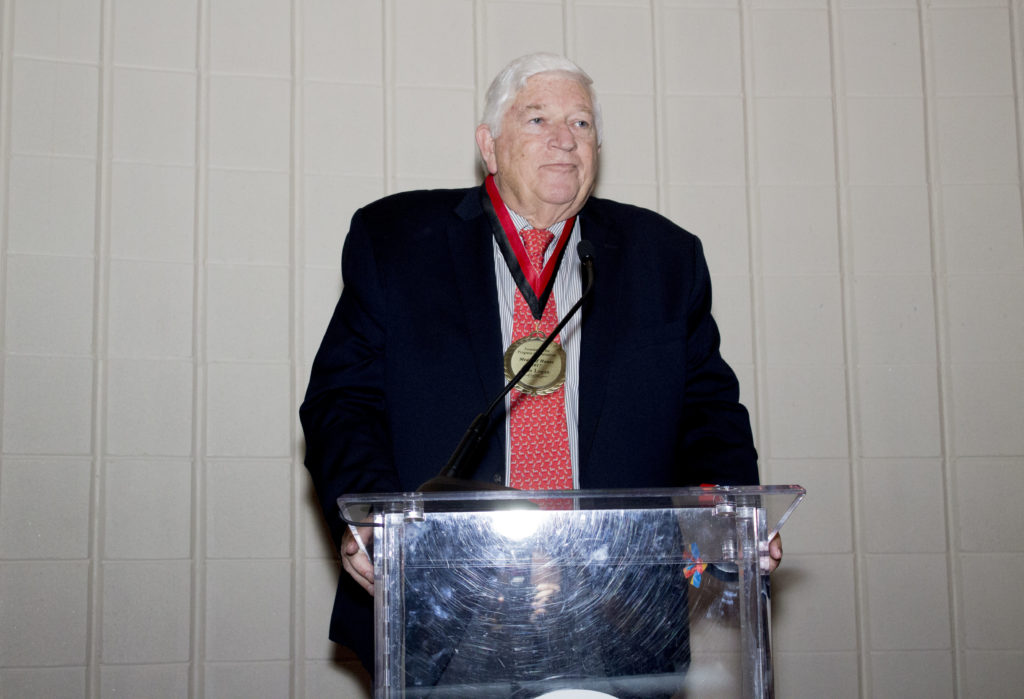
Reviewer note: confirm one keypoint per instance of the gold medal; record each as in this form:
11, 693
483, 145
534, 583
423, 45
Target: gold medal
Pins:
547, 373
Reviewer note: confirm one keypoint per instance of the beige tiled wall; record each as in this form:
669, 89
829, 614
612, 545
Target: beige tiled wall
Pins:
175, 184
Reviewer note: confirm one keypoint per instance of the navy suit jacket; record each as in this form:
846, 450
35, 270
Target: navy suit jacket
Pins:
413, 353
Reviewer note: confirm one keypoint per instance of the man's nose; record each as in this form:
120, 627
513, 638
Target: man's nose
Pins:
563, 137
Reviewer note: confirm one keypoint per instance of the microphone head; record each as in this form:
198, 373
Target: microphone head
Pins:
585, 249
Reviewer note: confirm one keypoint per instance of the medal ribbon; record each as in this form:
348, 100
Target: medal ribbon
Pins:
534, 286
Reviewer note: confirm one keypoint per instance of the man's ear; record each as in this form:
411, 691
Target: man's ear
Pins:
485, 142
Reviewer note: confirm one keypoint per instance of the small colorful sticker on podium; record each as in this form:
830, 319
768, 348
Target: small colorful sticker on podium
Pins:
695, 567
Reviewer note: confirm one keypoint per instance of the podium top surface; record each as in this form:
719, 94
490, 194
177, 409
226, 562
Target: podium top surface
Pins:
776, 501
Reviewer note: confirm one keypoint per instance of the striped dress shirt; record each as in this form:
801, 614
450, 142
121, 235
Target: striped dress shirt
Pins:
565, 293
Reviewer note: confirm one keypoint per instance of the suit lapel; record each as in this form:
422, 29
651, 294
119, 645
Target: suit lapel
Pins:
601, 330
472, 257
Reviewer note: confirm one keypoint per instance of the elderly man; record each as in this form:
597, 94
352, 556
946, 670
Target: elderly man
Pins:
442, 286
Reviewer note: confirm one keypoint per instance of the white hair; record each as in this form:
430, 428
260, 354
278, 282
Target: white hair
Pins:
507, 84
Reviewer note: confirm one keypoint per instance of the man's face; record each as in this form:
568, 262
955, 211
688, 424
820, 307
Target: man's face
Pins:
545, 159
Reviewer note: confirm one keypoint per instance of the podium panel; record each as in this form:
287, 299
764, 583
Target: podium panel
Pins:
631, 593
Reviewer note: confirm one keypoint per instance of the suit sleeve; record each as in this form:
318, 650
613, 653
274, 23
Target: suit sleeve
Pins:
715, 439
344, 414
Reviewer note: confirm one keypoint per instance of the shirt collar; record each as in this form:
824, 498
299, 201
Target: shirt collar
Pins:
521, 223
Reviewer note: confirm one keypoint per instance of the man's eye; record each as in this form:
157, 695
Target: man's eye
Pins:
582, 124
536, 120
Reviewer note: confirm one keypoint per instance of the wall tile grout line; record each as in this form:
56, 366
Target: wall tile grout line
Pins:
1016, 13
658, 98
389, 155
101, 305
6, 112
296, 237
847, 277
568, 34
936, 230
479, 57
760, 426
197, 636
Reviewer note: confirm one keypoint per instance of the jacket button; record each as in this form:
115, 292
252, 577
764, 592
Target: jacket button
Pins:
497, 478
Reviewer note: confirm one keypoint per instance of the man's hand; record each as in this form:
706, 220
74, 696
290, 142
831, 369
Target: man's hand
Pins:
353, 556
774, 552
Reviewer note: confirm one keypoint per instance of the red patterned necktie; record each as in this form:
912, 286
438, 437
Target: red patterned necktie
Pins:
540, 440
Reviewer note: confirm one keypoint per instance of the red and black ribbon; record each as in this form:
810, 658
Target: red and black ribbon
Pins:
533, 285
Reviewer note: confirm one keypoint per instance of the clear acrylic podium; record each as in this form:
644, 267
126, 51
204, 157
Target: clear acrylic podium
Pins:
624, 593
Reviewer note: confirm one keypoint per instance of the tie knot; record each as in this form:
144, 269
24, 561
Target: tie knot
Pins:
536, 242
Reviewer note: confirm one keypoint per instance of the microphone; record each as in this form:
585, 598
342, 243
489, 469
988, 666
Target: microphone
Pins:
453, 475
585, 250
